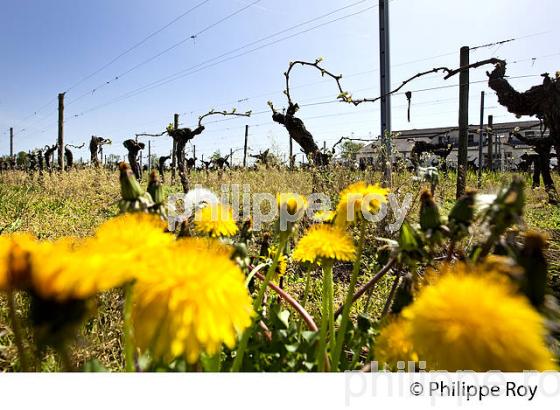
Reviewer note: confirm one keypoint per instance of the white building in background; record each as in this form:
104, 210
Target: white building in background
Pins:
507, 149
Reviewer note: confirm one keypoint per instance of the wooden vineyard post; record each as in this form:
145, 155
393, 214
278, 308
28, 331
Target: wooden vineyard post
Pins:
490, 134
60, 139
174, 151
291, 159
480, 140
11, 143
149, 156
245, 146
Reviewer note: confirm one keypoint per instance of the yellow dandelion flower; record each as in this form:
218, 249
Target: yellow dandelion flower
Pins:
324, 243
324, 216
295, 204
393, 344
122, 248
215, 220
357, 199
67, 269
132, 234
194, 303
15, 251
497, 268
206, 244
472, 322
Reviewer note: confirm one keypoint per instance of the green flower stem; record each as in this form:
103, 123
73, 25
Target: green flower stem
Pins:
368, 300
128, 328
327, 317
450, 250
307, 288
305, 296
16, 329
253, 273
332, 340
348, 301
257, 303
66, 360
391, 296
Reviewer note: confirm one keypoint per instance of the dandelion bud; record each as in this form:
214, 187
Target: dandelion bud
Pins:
507, 208
240, 251
246, 231
155, 189
411, 247
462, 215
265, 243
532, 259
404, 295
130, 188
429, 212
408, 238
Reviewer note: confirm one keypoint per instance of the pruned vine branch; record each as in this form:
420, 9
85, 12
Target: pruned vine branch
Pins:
233, 113
316, 65
531, 141
143, 134
449, 73
542, 129
228, 156
349, 139
345, 96
75, 146
480, 63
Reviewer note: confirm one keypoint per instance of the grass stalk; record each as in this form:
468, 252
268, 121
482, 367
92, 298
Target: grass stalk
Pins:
128, 329
16, 329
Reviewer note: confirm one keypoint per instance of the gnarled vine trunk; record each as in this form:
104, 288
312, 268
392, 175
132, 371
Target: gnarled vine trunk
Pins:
541, 101
68, 158
440, 149
161, 166
181, 136
134, 147
95, 145
49, 156
300, 134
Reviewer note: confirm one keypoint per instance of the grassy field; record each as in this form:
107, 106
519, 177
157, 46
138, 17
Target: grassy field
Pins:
76, 202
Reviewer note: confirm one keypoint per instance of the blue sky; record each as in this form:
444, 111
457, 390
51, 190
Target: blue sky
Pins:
49, 46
